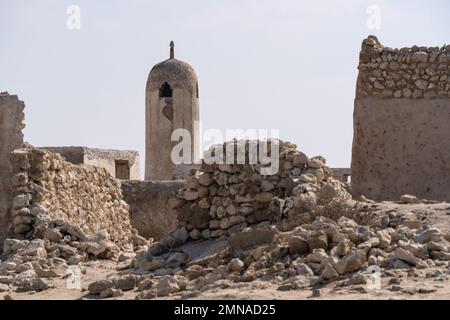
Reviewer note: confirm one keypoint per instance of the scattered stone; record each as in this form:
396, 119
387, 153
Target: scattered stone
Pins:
404, 255
110, 293
146, 295
166, 286
236, 265
297, 245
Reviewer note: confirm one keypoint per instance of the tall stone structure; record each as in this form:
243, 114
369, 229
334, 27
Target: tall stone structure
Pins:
401, 120
171, 103
11, 138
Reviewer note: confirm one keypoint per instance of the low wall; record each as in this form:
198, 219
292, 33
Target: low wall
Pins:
149, 210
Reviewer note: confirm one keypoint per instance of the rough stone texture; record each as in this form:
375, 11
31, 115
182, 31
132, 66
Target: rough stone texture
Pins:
401, 116
222, 199
416, 72
111, 160
11, 137
183, 170
45, 185
149, 210
164, 114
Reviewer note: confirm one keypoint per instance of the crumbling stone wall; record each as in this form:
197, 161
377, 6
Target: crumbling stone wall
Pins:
45, 185
401, 122
149, 201
416, 72
222, 199
11, 137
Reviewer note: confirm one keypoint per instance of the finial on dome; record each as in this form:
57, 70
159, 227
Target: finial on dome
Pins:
172, 50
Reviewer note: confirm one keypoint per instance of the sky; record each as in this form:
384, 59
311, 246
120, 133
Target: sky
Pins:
262, 64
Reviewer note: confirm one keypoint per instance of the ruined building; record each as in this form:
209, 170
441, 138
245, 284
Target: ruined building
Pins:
401, 138
171, 103
401, 145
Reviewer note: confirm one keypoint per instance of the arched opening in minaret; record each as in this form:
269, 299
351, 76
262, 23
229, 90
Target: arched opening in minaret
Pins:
165, 91
196, 89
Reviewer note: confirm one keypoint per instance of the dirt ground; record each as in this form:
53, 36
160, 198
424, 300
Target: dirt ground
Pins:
430, 283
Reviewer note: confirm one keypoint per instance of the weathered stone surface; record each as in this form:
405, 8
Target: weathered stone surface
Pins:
401, 100
251, 237
236, 265
404, 255
11, 137
99, 286
297, 245
158, 217
166, 286
318, 240
403, 119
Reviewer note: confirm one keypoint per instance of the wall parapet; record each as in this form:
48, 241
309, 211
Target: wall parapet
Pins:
410, 72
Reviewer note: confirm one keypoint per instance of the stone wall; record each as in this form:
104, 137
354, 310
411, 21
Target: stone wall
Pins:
416, 72
149, 210
48, 187
11, 137
401, 123
222, 199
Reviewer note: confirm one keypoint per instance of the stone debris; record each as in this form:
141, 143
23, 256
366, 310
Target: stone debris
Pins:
231, 197
64, 215
302, 244
297, 229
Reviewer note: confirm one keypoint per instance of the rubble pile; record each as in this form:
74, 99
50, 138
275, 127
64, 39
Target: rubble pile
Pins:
307, 256
297, 244
225, 198
62, 215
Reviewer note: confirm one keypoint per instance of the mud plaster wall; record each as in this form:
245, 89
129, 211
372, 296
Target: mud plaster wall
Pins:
149, 212
401, 124
401, 146
11, 137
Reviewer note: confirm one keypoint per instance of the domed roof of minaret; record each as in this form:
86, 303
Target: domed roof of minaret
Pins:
177, 73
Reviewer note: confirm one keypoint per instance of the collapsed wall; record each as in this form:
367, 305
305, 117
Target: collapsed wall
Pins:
11, 137
222, 199
401, 117
49, 190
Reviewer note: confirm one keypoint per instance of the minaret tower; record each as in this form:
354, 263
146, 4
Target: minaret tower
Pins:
171, 102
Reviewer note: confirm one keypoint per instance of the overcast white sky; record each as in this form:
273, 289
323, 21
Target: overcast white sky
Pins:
288, 65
